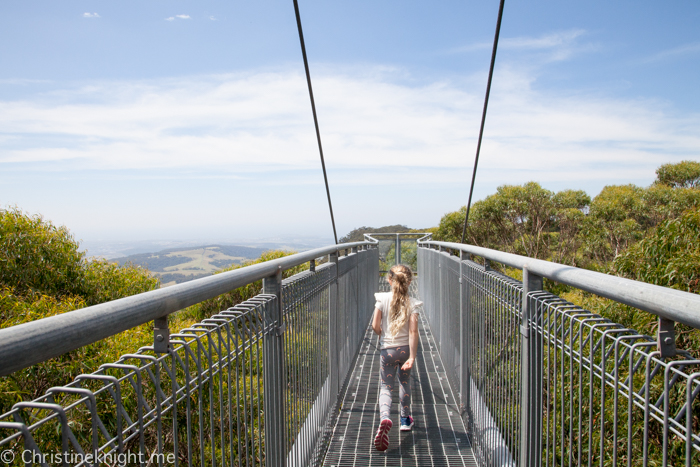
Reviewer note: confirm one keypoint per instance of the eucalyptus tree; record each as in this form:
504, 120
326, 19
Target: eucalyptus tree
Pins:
685, 174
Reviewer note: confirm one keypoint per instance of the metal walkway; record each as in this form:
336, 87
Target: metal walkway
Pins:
545, 381
438, 437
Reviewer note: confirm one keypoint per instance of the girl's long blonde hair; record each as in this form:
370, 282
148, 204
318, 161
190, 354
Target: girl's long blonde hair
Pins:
400, 308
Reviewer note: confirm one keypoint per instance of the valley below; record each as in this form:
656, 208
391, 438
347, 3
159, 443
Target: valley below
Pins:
176, 265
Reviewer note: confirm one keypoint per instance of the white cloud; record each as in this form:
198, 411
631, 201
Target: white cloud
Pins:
258, 121
213, 18
90, 15
680, 51
546, 41
173, 18
557, 46
202, 144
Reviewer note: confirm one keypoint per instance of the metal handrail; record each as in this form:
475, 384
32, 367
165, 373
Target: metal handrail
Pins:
30, 343
676, 305
393, 234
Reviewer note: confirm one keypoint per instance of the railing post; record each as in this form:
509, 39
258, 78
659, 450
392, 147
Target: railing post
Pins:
464, 340
273, 375
666, 338
161, 335
438, 317
531, 378
333, 351
397, 255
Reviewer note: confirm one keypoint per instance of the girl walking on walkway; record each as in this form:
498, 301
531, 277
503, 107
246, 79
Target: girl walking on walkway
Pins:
396, 322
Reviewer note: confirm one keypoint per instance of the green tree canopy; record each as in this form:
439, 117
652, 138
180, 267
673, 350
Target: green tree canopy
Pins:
39, 259
519, 219
36, 256
664, 202
451, 225
569, 216
42, 274
669, 255
617, 218
685, 174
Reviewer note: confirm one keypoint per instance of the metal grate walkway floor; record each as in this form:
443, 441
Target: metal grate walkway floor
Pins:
438, 437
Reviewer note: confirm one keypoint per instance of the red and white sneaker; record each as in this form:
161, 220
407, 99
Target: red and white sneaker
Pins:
381, 439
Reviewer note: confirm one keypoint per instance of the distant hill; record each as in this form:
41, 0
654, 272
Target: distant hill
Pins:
176, 265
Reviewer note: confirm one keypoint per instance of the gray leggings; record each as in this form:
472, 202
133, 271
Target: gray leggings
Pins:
391, 361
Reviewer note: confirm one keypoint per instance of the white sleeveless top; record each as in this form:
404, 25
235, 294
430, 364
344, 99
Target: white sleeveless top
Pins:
401, 337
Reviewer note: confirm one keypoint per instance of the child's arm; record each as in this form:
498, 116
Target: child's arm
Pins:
377, 322
412, 341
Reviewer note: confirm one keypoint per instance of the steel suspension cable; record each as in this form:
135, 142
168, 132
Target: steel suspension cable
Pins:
483, 116
313, 110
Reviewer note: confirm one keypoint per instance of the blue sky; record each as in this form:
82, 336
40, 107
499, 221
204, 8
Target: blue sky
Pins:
184, 120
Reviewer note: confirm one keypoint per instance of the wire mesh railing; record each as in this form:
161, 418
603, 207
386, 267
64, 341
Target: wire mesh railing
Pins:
200, 403
545, 382
396, 248
541, 381
255, 384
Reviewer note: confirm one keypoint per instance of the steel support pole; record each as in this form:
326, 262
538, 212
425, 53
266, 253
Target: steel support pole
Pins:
438, 317
397, 255
273, 374
333, 338
531, 377
469, 343
464, 320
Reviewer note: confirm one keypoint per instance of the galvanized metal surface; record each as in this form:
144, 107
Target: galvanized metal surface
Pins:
202, 403
401, 245
439, 436
560, 385
30, 343
667, 303
251, 385
541, 381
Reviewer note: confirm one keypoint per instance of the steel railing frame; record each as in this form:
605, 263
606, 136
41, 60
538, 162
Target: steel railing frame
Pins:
285, 353
505, 344
517, 408
30, 343
663, 302
399, 238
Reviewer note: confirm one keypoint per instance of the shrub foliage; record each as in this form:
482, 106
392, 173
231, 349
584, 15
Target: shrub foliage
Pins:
43, 273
